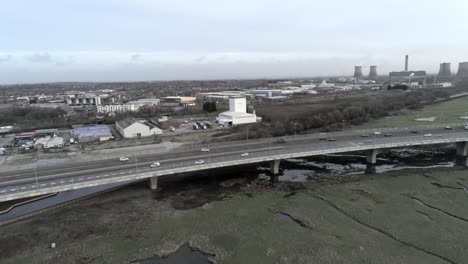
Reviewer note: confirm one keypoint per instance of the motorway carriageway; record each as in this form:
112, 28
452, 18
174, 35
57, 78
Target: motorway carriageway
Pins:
216, 150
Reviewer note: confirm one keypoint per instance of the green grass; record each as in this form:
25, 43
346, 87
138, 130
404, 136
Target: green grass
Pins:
445, 112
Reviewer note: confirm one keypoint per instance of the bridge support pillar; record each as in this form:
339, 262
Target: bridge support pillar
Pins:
462, 154
371, 159
153, 183
274, 170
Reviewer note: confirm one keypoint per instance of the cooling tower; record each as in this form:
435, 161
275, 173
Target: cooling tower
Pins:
358, 72
406, 63
373, 73
463, 70
445, 73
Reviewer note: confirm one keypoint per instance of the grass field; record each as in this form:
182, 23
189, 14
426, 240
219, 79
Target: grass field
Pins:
445, 112
401, 217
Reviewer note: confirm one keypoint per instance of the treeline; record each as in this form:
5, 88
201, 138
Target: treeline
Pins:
332, 115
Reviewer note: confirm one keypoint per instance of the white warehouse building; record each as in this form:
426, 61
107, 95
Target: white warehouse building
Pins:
132, 128
237, 114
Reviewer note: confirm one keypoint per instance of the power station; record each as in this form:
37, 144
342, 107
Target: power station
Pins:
408, 76
358, 72
462, 70
373, 73
445, 73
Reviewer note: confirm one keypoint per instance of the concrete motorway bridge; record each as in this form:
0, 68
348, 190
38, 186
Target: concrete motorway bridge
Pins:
31, 182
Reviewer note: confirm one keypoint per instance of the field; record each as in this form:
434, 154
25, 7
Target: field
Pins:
448, 112
400, 217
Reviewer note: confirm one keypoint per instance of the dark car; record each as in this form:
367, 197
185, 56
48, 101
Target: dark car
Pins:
387, 135
281, 140
448, 127
364, 135
414, 131
331, 139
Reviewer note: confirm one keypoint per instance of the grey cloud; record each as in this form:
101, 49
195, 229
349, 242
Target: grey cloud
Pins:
40, 58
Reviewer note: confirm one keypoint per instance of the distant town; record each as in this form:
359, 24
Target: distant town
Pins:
60, 115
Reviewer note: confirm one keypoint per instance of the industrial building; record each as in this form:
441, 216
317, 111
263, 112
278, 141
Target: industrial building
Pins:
94, 133
83, 99
52, 106
218, 96
50, 142
133, 128
128, 107
46, 132
6, 130
178, 101
117, 108
152, 102
408, 76
237, 114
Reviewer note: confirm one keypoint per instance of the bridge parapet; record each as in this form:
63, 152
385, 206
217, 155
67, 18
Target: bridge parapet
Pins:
33, 187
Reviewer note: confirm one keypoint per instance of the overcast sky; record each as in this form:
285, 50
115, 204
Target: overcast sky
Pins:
128, 40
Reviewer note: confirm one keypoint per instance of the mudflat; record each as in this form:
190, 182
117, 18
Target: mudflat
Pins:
417, 216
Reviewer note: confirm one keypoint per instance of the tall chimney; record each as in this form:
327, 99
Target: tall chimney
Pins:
358, 72
406, 63
373, 73
463, 70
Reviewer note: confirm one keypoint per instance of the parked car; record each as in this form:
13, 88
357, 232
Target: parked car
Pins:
466, 126
448, 128
377, 133
387, 135
428, 135
244, 154
414, 131
156, 164
364, 135
331, 139
199, 162
205, 149
123, 159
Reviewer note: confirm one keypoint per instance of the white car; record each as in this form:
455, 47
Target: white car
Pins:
377, 133
428, 135
123, 159
205, 149
466, 126
244, 154
156, 164
199, 162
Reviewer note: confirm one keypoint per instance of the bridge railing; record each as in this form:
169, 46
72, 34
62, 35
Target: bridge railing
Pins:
215, 159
